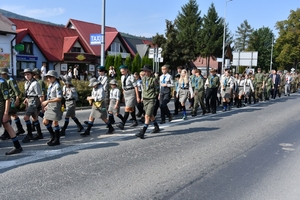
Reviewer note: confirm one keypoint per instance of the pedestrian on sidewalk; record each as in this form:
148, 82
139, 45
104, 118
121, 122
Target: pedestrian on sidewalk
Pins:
97, 100
149, 98
52, 107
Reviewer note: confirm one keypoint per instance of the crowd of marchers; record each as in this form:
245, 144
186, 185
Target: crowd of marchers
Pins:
143, 94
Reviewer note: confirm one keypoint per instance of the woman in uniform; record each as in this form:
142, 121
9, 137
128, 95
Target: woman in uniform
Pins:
227, 85
185, 90
33, 99
241, 90
97, 100
71, 96
131, 96
52, 107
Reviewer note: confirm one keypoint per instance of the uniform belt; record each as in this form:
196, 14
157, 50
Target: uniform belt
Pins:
185, 88
70, 99
128, 88
241, 86
32, 96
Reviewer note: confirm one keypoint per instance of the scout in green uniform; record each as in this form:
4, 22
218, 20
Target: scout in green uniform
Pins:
149, 98
4, 117
282, 83
259, 80
212, 83
192, 81
268, 86
198, 93
14, 94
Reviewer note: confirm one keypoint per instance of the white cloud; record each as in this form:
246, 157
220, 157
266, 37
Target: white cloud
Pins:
34, 13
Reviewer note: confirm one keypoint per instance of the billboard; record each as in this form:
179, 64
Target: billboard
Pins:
248, 59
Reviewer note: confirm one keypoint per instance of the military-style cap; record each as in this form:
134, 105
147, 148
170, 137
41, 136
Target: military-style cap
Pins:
4, 70
101, 69
65, 78
146, 68
27, 70
93, 82
52, 73
123, 67
36, 71
113, 82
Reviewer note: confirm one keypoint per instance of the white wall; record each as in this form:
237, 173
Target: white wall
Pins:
5, 46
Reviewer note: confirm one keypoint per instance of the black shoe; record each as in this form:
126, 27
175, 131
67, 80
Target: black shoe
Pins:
86, 122
54, 143
62, 132
170, 117
135, 123
38, 137
86, 133
155, 130
208, 111
19, 132
110, 131
27, 139
14, 151
141, 134
139, 114
4, 136
162, 122
194, 115
213, 112
120, 126
80, 128
142, 119
203, 112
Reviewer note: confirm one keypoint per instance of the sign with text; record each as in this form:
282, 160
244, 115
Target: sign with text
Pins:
96, 39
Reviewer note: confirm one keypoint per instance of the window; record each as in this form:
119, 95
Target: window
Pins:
115, 47
28, 48
23, 65
76, 49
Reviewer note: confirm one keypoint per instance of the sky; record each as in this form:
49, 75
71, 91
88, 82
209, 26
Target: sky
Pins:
146, 18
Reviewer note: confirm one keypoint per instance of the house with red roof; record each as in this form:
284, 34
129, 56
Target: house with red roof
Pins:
114, 42
7, 42
59, 47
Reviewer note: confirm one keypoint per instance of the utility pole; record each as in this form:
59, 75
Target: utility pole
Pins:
103, 34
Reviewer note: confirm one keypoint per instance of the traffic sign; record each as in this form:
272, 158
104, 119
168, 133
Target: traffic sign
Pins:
96, 39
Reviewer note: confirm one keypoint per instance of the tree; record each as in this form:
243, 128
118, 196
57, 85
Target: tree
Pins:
188, 24
261, 40
118, 62
146, 61
211, 37
128, 62
136, 64
287, 46
109, 61
172, 48
242, 36
158, 40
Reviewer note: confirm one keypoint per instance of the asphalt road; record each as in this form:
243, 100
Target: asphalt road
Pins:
247, 153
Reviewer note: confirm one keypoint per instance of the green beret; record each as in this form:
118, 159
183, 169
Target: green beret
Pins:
101, 68
123, 67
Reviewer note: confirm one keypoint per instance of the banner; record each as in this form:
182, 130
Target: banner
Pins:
4, 60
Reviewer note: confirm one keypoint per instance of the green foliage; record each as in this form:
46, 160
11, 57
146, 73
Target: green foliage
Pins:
211, 35
109, 61
136, 64
242, 36
188, 24
128, 61
261, 41
158, 40
146, 61
287, 46
117, 63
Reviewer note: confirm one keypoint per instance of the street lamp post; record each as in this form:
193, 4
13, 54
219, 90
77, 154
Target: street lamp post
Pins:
224, 24
271, 54
103, 34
